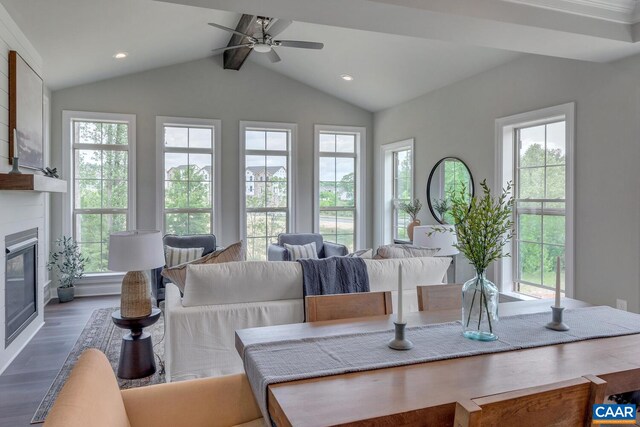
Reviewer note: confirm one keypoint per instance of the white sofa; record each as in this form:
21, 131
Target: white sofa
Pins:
222, 298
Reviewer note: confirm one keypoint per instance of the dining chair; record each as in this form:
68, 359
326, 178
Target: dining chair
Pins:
346, 306
439, 297
566, 403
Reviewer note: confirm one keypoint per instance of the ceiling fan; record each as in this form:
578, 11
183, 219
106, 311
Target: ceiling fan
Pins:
263, 40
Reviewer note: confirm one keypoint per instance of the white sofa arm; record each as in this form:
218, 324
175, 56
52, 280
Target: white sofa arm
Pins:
200, 341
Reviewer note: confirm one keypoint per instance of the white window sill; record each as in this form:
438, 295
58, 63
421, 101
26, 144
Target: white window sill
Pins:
100, 278
510, 296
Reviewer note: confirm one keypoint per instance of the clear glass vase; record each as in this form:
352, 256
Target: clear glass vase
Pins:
480, 308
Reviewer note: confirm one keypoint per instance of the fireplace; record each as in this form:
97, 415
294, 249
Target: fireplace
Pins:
21, 282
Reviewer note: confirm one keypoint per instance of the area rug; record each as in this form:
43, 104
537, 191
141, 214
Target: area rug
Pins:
101, 333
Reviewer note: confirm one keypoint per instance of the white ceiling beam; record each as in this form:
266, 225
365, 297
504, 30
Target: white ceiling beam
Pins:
489, 23
622, 11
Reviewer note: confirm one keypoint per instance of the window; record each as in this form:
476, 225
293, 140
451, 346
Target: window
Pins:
397, 188
188, 181
101, 196
338, 184
266, 203
541, 172
402, 191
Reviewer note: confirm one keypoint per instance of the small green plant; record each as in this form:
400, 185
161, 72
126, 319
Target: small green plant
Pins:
67, 261
412, 208
441, 206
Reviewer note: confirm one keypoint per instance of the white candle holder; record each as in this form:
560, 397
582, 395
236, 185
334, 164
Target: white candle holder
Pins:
16, 167
400, 342
557, 323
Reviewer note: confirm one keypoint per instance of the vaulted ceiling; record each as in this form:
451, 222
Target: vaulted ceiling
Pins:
394, 49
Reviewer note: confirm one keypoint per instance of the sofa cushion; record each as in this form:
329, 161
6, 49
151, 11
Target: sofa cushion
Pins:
249, 281
176, 256
404, 251
362, 253
178, 273
303, 239
383, 273
297, 252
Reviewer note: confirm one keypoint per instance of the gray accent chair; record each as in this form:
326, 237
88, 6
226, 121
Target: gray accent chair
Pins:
206, 241
277, 252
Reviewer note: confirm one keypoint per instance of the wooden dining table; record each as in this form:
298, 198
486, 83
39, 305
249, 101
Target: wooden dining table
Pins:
426, 393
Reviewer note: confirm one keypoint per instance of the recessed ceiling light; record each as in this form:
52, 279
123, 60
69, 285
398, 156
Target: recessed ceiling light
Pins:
121, 55
346, 77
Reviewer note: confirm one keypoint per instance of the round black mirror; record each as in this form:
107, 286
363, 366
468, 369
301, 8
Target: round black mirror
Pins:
448, 177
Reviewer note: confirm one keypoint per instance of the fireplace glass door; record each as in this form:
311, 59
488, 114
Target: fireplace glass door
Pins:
20, 287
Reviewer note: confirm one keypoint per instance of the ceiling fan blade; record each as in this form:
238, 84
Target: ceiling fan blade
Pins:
273, 56
277, 27
231, 30
299, 44
222, 49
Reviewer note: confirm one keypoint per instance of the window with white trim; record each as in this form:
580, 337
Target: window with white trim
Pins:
188, 168
266, 175
101, 196
338, 183
537, 156
397, 188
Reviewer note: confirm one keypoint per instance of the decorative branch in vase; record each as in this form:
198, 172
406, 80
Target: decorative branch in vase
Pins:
483, 226
412, 209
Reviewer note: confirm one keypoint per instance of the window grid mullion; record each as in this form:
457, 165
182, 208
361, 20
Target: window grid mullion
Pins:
340, 155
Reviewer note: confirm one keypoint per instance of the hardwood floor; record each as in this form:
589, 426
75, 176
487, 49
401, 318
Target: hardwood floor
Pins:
27, 379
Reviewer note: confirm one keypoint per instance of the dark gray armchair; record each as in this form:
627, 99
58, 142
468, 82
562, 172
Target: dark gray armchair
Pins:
206, 241
278, 252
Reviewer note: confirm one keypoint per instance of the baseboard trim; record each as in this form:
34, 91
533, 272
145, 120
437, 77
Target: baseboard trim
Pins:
27, 341
46, 293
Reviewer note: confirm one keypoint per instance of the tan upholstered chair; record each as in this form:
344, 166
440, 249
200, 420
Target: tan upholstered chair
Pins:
347, 306
439, 297
91, 397
566, 403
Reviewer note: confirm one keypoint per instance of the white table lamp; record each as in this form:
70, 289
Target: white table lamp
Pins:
134, 252
425, 236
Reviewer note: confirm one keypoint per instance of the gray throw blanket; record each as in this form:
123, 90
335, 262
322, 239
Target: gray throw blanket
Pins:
335, 275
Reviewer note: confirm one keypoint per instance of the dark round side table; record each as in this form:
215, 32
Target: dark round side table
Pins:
136, 354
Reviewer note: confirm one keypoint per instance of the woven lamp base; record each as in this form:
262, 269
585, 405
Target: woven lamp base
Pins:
135, 299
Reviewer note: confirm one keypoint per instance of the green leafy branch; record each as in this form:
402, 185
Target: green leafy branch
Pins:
484, 225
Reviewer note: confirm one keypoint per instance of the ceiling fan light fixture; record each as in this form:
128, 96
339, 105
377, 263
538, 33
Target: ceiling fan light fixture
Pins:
346, 77
120, 55
262, 47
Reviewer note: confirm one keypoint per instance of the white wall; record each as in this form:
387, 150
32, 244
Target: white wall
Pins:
19, 210
458, 120
202, 89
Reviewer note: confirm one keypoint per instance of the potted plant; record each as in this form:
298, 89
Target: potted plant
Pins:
69, 263
484, 225
412, 209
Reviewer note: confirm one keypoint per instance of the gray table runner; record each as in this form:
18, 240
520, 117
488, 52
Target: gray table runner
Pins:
290, 360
